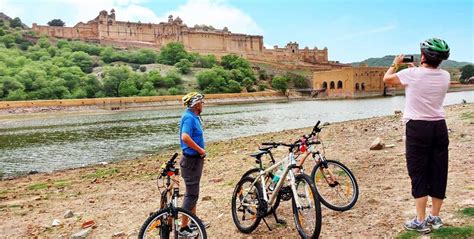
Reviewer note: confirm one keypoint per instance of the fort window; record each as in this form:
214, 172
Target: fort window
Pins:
325, 85
332, 85
362, 86
339, 84
357, 86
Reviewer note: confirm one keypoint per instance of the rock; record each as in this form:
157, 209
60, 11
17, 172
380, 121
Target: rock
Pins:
82, 234
389, 145
32, 172
326, 123
206, 198
377, 144
216, 180
89, 223
119, 235
56, 222
397, 112
68, 214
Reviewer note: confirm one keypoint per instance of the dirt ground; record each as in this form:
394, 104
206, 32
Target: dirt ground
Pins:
119, 196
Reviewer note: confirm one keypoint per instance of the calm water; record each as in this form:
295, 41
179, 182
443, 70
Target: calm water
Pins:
66, 141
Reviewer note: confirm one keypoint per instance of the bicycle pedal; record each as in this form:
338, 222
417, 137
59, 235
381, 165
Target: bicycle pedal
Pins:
333, 184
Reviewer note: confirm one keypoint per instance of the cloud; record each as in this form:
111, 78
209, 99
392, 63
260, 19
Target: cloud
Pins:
217, 13
368, 32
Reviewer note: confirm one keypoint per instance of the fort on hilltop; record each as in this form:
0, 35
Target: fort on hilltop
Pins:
105, 29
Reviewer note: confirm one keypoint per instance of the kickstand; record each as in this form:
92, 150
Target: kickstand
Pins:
279, 221
265, 221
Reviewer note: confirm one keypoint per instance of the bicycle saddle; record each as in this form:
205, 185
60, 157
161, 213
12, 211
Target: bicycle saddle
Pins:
259, 154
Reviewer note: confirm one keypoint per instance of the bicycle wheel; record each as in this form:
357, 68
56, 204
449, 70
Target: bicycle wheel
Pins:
336, 185
307, 214
247, 200
254, 173
162, 224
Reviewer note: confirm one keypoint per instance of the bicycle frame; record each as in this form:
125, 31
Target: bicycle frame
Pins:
287, 172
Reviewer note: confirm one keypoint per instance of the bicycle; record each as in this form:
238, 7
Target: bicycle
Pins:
335, 184
253, 199
166, 222
338, 182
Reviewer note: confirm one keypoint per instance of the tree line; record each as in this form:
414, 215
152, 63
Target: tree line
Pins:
38, 67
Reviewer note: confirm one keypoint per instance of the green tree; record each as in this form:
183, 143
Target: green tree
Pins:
43, 42
280, 83
205, 78
155, 77
56, 23
172, 79
205, 61
227, 61
148, 89
233, 87
467, 72
82, 60
8, 40
128, 88
16, 22
184, 66
17, 95
172, 53
248, 83
114, 76
92, 86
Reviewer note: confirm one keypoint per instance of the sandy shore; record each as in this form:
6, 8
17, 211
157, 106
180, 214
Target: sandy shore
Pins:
119, 196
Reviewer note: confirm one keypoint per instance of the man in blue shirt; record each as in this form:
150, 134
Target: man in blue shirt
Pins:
192, 161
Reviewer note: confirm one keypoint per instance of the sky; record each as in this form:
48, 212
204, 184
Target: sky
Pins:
352, 30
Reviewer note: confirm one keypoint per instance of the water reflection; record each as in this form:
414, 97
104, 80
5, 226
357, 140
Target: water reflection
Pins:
65, 141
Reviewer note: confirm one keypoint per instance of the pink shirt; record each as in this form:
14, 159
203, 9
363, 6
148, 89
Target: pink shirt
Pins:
425, 89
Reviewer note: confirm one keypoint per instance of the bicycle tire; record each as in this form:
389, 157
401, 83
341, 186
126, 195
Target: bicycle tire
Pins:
324, 189
237, 198
310, 230
164, 231
254, 173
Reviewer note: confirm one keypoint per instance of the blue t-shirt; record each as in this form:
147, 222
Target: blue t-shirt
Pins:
191, 124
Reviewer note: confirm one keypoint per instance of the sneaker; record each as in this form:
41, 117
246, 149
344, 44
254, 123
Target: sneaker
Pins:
187, 232
434, 221
414, 225
193, 225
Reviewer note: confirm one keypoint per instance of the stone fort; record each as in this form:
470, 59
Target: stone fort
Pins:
105, 29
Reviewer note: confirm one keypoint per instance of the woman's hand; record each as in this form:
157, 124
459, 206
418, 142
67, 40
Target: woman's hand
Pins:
398, 59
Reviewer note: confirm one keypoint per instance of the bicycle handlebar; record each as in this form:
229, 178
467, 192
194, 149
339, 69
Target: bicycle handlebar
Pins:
169, 166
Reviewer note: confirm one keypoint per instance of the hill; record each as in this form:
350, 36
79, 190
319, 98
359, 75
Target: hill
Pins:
387, 61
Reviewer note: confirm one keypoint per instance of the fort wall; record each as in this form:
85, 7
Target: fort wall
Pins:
201, 39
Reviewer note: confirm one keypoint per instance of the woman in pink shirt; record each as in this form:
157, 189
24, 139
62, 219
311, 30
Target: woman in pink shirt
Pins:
426, 132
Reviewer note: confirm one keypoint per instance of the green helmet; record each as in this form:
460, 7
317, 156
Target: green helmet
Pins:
435, 49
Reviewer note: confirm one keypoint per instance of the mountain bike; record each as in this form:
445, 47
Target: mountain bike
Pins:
166, 222
335, 184
255, 197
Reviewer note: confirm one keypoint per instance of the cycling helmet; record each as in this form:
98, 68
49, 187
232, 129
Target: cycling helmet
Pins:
435, 49
191, 99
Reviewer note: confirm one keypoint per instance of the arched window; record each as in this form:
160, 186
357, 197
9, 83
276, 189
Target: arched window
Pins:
362, 86
339, 84
357, 86
325, 85
332, 85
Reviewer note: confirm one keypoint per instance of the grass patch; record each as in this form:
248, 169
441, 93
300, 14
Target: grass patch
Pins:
469, 211
102, 173
454, 232
38, 186
61, 184
408, 234
444, 232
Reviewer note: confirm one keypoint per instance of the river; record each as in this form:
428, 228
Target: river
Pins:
58, 141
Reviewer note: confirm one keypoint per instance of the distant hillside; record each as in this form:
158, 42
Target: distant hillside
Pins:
6, 18
387, 61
